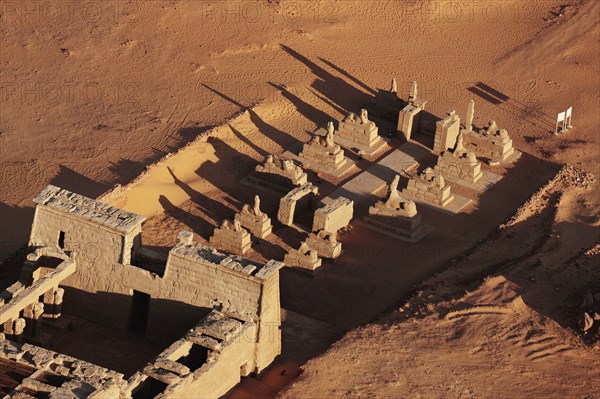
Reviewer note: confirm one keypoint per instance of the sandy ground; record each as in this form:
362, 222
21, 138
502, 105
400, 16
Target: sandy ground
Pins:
91, 95
500, 322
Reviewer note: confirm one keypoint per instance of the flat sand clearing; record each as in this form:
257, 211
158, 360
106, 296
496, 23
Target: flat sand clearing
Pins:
91, 101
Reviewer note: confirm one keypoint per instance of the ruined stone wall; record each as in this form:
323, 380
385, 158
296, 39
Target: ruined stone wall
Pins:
87, 239
495, 146
269, 327
216, 379
101, 288
214, 286
85, 380
229, 351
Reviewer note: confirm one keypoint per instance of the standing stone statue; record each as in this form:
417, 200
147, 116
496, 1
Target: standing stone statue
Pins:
237, 226
470, 114
492, 127
460, 149
364, 116
394, 88
329, 137
413, 91
393, 199
256, 207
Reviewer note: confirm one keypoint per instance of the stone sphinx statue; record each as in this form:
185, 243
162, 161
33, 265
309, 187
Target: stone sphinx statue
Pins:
398, 203
492, 127
460, 149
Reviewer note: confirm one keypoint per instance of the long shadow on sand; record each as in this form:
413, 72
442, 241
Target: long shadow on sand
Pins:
279, 136
517, 108
371, 269
340, 92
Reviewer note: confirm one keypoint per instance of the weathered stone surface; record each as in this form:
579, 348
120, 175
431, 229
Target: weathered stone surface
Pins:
304, 257
89, 209
359, 132
491, 143
298, 198
334, 216
460, 166
324, 156
395, 216
430, 187
275, 166
446, 132
325, 243
254, 220
231, 237
409, 116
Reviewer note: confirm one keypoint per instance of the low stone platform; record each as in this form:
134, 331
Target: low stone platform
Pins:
485, 183
367, 152
276, 176
263, 184
455, 206
395, 216
377, 176
293, 154
384, 228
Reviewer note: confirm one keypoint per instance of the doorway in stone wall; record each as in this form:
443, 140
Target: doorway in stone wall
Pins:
140, 306
61, 240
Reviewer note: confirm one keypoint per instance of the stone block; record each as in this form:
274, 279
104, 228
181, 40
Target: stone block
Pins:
334, 216
325, 243
231, 237
300, 197
304, 257
437, 192
254, 220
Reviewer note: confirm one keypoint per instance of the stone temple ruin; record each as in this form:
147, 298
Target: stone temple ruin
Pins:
144, 291
226, 308
360, 132
231, 237
459, 165
322, 241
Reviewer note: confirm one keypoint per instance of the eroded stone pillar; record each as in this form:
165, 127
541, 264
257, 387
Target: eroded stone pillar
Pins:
470, 114
19, 329
7, 328
412, 95
33, 317
53, 300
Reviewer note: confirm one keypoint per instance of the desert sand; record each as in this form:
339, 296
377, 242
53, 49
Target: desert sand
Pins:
192, 94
